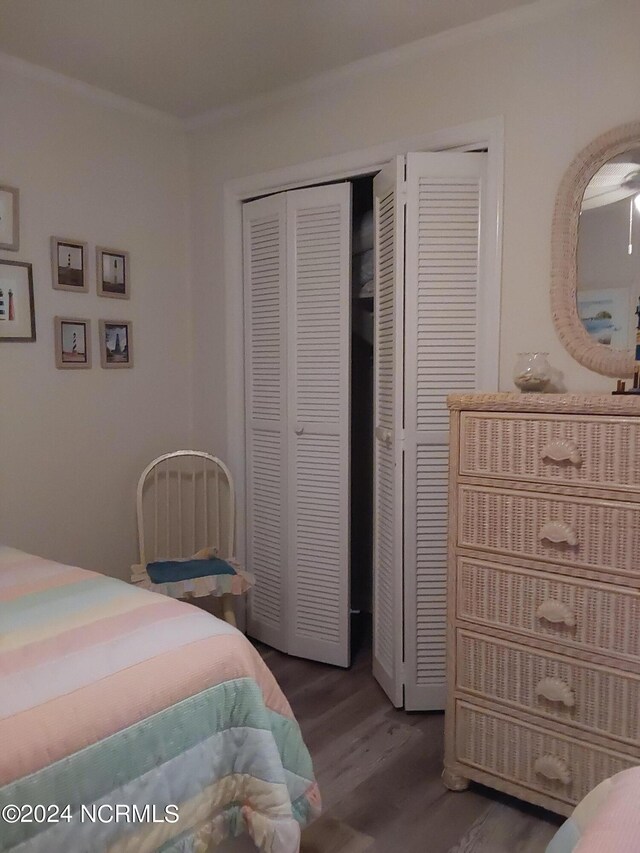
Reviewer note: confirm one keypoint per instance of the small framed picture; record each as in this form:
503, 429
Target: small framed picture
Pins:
17, 313
73, 342
116, 345
68, 265
113, 273
9, 219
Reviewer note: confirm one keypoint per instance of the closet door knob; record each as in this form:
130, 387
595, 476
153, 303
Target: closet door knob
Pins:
384, 436
299, 429
558, 531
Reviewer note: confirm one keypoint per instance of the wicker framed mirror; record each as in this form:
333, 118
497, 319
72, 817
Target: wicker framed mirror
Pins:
604, 179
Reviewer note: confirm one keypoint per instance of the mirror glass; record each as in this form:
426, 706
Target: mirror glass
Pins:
608, 274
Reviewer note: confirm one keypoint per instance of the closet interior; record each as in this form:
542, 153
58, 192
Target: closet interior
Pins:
362, 313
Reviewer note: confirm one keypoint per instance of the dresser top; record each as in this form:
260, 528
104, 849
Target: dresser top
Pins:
580, 404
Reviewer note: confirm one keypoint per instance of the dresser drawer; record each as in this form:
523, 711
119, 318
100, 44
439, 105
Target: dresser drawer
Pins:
581, 532
576, 693
588, 451
532, 757
579, 614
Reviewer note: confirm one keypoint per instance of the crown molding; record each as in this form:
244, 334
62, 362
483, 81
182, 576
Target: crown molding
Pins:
512, 19
85, 90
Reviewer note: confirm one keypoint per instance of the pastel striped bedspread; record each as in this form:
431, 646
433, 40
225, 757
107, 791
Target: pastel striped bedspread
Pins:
607, 820
114, 696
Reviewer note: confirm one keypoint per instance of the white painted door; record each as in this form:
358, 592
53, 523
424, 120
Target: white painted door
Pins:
388, 195
319, 367
442, 355
432, 338
264, 250
297, 350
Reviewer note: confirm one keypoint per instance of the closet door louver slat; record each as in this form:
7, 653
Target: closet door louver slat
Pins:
265, 358
387, 475
441, 357
319, 317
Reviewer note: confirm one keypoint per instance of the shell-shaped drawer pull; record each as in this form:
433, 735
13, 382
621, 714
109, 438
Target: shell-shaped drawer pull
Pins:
299, 429
556, 611
561, 450
558, 531
556, 690
554, 768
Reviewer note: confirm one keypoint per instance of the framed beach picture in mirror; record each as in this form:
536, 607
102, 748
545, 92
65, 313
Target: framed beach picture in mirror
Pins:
112, 268
608, 315
68, 265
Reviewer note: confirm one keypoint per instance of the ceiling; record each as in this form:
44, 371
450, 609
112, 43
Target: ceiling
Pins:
187, 57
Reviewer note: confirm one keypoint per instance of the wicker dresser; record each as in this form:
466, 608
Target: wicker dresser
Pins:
544, 600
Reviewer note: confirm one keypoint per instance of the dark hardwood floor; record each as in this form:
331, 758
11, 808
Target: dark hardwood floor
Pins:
379, 772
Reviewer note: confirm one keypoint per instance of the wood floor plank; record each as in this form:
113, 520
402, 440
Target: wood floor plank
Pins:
505, 828
379, 769
354, 757
329, 834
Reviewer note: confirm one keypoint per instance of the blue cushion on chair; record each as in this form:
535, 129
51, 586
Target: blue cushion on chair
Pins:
171, 571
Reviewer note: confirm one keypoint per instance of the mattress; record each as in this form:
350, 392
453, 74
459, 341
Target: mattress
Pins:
133, 722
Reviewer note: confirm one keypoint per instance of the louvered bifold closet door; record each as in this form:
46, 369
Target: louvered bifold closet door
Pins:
264, 226
319, 336
441, 356
387, 475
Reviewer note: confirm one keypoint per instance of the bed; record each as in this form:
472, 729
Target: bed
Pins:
133, 722
607, 820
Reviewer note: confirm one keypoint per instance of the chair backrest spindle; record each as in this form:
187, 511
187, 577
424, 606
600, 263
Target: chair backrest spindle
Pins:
167, 523
217, 481
205, 503
195, 509
180, 509
155, 513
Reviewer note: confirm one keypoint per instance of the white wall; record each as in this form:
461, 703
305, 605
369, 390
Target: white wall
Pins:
558, 83
72, 443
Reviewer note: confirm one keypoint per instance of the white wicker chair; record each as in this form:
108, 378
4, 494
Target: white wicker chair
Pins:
186, 507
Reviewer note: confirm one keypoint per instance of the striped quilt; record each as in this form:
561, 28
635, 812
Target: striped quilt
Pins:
607, 820
133, 722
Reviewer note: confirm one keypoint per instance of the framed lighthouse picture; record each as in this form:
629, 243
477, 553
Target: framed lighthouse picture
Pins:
73, 342
68, 265
9, 219
112, 268
116, 344
17, 314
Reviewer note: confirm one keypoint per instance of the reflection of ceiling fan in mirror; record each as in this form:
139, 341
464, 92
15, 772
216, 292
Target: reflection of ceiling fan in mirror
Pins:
615, 181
